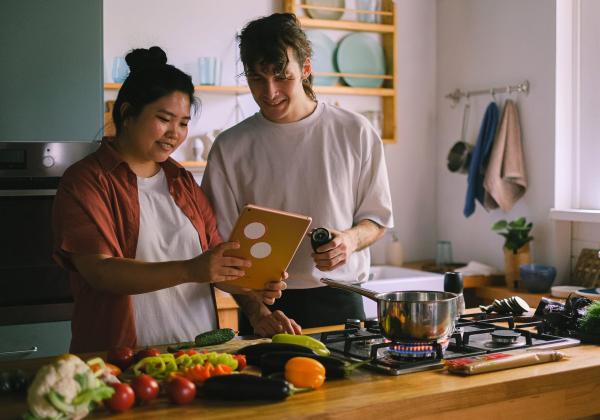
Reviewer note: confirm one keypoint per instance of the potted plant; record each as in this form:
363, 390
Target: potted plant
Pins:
516, 247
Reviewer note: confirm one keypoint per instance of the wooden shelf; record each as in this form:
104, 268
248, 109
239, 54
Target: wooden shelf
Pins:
200, 88
193, 163
346, 25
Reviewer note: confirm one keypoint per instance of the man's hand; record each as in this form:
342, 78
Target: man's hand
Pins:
212, 266
274, 323
336, 252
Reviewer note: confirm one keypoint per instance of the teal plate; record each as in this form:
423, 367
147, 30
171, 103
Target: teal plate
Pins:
323, 58
360, 53
325, 14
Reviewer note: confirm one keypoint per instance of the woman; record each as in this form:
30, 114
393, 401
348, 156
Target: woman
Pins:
136, 232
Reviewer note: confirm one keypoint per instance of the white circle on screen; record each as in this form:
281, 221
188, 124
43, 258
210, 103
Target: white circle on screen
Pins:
254, 230
260, 250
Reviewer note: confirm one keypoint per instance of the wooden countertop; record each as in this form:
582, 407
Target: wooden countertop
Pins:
568, 388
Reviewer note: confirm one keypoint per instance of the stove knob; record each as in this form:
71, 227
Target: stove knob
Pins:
47, 161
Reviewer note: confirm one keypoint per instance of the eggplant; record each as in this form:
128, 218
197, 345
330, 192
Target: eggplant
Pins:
243, 387
255, 351
275, 362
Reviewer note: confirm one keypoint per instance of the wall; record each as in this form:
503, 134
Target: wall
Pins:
483, 44
410, 161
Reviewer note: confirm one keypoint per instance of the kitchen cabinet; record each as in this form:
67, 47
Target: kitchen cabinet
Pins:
51, 73
386, 29
47, 338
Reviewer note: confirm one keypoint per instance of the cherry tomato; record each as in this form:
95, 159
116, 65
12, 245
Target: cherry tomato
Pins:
122, 399
181, 390
147, 352
122, 357
145, 387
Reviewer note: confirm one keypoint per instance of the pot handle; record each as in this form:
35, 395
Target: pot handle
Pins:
349, 288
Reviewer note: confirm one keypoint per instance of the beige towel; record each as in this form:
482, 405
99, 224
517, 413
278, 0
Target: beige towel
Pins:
505, 179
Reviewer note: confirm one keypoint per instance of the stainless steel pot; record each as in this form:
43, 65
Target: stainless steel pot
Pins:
416, 315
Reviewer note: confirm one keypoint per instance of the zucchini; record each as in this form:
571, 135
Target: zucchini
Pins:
212, 338
254, 352
245, 387
275, 362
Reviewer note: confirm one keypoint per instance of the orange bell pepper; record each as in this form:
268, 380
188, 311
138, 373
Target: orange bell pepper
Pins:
304, 372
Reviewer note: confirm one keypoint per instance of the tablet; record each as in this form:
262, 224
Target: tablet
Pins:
269, 238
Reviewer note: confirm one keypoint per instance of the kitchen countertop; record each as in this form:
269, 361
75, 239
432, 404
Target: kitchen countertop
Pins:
568, 388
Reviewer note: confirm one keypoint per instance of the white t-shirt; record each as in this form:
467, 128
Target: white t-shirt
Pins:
178, 313
329, 166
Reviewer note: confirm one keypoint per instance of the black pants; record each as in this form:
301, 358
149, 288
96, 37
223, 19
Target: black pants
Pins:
314, 307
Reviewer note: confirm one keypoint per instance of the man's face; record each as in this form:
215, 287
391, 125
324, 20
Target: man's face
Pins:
281, 97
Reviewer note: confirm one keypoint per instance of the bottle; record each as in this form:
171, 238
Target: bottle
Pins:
453, 283
394, 254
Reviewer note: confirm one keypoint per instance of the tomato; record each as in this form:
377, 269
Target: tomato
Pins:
181, 390
145, 387
122, 399
122, 357
147, 352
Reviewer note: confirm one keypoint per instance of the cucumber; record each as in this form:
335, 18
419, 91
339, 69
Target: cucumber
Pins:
212, 338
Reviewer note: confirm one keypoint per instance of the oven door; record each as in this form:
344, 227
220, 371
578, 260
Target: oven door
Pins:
34, 288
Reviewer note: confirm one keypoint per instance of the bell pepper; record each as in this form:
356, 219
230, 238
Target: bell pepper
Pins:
241, 359
302, 340
305, 372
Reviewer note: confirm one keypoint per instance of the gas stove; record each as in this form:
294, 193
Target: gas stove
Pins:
474, 334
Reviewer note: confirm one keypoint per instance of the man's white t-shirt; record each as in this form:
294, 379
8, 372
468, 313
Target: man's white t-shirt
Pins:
329, 166
177, 313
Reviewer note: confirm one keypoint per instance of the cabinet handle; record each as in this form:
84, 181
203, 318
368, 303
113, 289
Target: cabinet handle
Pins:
33, 349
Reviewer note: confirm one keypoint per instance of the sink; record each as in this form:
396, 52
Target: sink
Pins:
388, 278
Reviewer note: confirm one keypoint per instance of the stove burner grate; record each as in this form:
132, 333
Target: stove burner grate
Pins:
416, 349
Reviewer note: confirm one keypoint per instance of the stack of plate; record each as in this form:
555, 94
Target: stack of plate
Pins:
593, 293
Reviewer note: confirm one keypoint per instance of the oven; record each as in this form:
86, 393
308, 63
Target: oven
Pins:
34, 288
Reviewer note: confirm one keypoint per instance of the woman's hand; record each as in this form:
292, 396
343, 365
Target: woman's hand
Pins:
213, 267
336, 252
272, 291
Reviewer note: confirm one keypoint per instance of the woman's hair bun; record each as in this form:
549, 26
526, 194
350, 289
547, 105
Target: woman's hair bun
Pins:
142, 58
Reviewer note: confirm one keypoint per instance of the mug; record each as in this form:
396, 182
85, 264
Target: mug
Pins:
120, 70
210, 71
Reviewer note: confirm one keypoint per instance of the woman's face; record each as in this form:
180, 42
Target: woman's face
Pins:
159, 129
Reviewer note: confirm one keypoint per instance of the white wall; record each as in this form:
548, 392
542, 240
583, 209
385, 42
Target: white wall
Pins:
410, 161
483, 44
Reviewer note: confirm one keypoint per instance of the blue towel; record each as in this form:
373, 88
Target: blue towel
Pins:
479, 158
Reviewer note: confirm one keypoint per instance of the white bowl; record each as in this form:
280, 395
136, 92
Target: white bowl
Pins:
563, 291
593, 294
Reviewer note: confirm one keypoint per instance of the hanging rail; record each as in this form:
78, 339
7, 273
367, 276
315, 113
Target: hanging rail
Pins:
455, 96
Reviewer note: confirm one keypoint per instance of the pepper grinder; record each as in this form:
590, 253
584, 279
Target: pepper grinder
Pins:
453, 283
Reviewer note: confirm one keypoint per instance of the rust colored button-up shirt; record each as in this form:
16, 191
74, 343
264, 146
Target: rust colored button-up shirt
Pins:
96, 211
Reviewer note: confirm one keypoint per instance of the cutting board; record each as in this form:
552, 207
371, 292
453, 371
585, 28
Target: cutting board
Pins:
229, 347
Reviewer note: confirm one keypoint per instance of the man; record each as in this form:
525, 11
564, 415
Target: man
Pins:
307, 157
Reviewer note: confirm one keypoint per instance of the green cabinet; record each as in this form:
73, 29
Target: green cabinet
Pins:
48, 339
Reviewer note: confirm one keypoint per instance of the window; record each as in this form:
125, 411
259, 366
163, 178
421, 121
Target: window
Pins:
577, 164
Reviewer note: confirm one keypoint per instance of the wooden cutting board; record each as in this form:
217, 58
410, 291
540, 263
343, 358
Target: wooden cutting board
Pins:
229, 347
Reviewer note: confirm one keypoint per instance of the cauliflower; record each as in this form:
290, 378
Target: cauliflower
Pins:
65, 389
